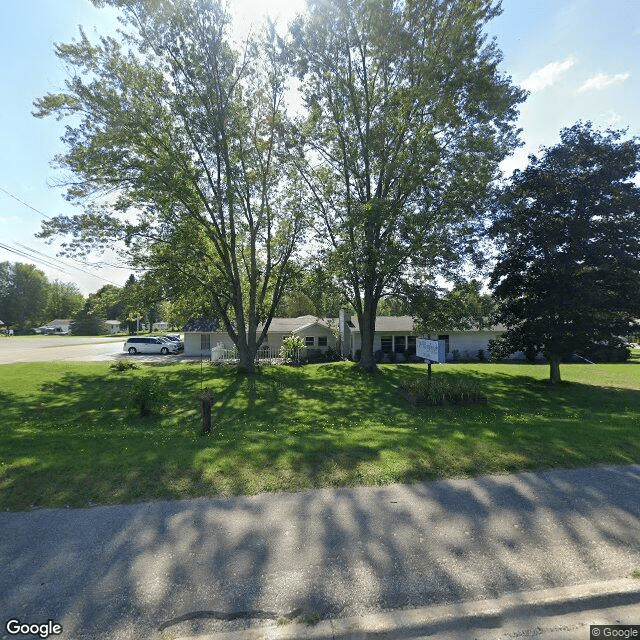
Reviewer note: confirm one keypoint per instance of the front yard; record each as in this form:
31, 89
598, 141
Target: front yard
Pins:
69, 437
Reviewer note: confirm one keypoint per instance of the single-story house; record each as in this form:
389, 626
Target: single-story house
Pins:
393, 335
115, 326
201, 335
161, 325
57, 326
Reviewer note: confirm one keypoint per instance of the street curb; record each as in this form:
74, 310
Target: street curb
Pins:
524, 607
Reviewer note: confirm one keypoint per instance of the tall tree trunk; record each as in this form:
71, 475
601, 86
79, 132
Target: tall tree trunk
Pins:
554, 370
247, 363
367, 330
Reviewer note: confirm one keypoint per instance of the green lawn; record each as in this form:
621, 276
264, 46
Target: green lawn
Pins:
68, 436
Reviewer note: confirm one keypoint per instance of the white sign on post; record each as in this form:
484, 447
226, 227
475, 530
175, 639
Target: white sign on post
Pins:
430, 350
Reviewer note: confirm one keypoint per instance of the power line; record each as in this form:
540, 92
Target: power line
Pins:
50, 261
44, 215
22, 246
21, 253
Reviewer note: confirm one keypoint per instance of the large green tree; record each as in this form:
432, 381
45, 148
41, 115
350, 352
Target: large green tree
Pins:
108, 302
186, 133
64, 300
23, 295
568, 230
407, 118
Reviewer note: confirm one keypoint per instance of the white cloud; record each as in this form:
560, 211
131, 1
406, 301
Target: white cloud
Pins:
601, 81
547, 75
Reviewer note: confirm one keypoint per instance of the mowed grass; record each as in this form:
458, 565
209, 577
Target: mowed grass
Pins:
68, 436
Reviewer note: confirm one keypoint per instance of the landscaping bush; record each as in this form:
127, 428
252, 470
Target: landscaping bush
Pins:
331, 355
443, 390
123, 365
146, 395
292, 348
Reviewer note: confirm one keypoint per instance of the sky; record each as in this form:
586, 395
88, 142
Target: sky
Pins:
579, 59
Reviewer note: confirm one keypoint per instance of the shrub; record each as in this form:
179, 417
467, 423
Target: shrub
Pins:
292, 348
123, 365
445, 390
331, 355
146, 395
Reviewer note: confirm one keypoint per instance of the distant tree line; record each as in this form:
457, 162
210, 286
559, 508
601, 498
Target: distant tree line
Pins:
28, 298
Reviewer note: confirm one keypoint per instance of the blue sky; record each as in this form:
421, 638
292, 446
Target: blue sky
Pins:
578, 58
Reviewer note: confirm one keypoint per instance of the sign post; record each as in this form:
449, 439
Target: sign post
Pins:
431, 351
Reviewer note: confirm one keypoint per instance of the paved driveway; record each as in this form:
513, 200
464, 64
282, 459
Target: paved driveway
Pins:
69, 348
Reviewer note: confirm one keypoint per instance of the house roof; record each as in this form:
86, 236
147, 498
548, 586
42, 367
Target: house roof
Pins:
195, 325
406, 324
291, 325
58, 321
388, 323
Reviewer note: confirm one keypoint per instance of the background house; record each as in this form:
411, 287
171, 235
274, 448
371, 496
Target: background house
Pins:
115, 326
57, 326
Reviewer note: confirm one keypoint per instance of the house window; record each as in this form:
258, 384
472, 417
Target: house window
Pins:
446, 342
309, 341
322, 341
411, 345
205, 342
386, 344
400, 344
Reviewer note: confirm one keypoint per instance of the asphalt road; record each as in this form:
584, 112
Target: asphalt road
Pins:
59, 348
170, 569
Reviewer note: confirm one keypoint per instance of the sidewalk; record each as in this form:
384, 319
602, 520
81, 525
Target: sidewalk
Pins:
381, 556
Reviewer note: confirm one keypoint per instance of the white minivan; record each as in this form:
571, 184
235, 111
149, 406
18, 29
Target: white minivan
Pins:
137, 344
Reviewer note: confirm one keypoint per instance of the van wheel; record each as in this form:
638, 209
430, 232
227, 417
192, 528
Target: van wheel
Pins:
132, 351
164, 351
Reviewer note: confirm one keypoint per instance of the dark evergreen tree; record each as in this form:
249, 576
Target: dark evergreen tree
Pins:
568, 231
88, 322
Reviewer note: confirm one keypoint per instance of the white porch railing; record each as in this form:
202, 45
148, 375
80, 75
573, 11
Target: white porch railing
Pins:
220, 353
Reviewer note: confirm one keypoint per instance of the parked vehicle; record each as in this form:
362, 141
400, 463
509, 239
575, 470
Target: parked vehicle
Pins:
138, 344
176, 339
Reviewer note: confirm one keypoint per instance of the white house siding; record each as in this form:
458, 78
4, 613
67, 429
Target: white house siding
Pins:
195, 346
469, 343
193, 341
113, 326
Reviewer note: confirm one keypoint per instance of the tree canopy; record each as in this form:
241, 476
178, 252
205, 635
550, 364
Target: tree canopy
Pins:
568, 230
407, 118
176, 144
463, 308
28, 299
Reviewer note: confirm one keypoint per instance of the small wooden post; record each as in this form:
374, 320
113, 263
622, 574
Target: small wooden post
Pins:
206, 400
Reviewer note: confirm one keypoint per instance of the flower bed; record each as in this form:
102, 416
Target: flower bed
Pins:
443, 391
